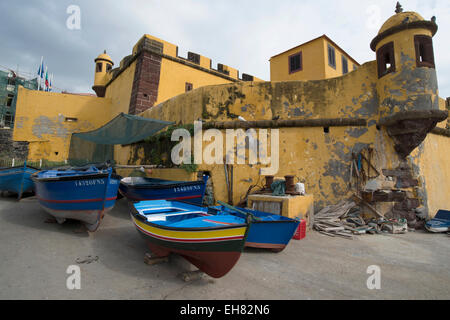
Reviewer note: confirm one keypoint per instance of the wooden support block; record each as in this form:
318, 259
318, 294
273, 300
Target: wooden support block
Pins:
191, 275
182, 263
152, 260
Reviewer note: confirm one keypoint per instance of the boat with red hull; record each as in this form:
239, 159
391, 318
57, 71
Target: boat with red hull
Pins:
213, 243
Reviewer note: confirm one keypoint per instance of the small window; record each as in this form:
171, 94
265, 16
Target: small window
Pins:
354, 67
9, 100
99, 67
295, 62
12, 81
331, 57
386, 59
189, 86
71, 119
108, 67
344, 65
424, 51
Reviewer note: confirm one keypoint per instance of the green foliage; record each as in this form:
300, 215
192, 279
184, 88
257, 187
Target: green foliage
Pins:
158, 148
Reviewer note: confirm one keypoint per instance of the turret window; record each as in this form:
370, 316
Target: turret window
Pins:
99, 67
424, 51
386, 59
108, 67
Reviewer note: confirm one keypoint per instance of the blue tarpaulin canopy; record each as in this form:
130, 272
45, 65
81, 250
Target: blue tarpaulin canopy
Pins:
98, 145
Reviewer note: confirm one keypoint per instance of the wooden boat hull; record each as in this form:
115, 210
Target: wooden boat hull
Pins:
140, 189
17, 179
84, 197
214, 251
272, 232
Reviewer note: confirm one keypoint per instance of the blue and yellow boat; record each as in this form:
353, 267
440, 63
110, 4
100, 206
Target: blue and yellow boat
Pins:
211, 242
267, 231
83, 194
17, 179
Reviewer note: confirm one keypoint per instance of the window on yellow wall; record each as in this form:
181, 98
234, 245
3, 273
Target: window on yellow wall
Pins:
331, 57
295, 62
189, 86
344, 65
99, 67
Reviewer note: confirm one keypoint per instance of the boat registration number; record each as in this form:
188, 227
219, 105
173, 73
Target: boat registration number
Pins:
88, 183
184, 189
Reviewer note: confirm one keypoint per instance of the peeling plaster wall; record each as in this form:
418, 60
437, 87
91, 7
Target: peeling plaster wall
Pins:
41, 120
320, 160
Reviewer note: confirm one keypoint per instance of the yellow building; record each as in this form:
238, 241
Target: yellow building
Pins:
154, 73
387, 111
316, 59
151, 74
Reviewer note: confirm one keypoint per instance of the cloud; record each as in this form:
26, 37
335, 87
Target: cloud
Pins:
242, 34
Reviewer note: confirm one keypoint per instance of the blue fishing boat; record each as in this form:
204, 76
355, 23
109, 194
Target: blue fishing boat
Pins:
211, 242
17, 179
139, 189
83, 193
268, 231
440, 223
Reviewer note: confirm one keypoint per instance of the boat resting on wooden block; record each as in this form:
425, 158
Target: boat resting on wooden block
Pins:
211, 242
83, 194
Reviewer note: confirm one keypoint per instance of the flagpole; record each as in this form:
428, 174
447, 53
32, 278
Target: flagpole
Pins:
39, 79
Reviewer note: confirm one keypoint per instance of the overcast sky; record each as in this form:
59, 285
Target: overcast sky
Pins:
243, 34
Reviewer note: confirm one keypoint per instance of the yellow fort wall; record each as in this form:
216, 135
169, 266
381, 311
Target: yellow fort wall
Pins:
174, 76
49, 131
320, 160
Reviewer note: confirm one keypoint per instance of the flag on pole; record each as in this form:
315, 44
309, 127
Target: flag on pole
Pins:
46, 78
50, 86
40, 72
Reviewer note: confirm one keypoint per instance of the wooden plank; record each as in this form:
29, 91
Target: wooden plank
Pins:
361, 200
151, 260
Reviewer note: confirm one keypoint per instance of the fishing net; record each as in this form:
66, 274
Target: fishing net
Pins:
98, 145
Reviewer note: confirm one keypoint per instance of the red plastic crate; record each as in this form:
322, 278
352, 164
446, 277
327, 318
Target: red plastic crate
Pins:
300, 233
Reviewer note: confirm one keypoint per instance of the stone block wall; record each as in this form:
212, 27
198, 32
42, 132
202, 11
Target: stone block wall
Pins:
10, 148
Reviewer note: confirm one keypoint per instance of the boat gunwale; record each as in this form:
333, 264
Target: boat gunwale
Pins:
165, 186
140, 218
77, 177
291, 220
